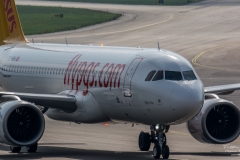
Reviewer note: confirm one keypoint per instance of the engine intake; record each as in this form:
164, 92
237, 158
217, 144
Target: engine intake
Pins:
22, 123
218, 122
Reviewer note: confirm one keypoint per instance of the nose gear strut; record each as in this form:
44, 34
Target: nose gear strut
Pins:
157, 137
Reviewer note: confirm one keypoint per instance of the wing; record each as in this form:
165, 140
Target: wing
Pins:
62, 102
222, 89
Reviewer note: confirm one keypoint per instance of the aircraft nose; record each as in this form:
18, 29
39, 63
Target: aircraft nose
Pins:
187, 100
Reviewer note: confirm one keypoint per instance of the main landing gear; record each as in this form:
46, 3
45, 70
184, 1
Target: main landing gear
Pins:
157, 137
30, 149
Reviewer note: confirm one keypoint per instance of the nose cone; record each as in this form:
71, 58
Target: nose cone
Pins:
187, 100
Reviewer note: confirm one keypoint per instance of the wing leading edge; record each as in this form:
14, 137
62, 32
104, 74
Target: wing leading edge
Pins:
66, 103
222, 89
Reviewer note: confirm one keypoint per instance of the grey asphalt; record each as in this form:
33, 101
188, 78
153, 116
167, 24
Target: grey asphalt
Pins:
209, 30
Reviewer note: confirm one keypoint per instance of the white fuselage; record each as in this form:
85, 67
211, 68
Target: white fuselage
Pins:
115, 76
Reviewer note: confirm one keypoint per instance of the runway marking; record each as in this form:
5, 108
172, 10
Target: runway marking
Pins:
174, 132
213, 23
194, 60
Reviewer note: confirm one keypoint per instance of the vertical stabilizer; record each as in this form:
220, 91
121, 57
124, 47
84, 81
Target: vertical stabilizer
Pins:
10, 26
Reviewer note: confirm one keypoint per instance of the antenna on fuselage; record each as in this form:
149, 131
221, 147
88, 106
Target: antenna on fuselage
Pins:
32, 41
66, 41
158, 46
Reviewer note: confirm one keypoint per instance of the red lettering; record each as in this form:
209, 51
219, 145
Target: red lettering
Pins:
100, 75
108, 77
118, 73
13, 25
80, 77
68, 70
93, 75
7, 4
87, 75
74, 72
81, 73
9, 17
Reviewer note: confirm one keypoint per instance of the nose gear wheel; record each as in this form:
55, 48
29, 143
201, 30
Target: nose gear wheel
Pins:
165, 152
156, 152
144, 141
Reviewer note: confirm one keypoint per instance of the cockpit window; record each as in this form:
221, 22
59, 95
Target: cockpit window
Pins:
150, 75
189, 75
173, 75
158, 76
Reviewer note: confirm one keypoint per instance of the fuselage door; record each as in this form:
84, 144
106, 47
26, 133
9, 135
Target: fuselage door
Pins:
127, 84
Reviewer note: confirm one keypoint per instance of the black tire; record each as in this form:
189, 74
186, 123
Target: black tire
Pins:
15, 149
144, 141
165, 142
156, 152
32, 148
165, 152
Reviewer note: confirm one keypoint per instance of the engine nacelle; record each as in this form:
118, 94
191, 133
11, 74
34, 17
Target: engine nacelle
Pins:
217, 123
21, 123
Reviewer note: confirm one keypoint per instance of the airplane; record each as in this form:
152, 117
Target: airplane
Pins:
98, 84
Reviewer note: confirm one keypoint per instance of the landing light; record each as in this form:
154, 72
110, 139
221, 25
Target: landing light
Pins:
101, 45
157, 127
106, 124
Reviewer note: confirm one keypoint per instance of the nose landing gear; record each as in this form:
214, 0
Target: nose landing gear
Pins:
157, 137
160, 141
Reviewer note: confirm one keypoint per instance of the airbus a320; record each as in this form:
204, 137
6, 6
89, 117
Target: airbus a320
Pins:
98, 84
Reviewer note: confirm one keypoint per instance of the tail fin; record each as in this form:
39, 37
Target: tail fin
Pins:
10, 26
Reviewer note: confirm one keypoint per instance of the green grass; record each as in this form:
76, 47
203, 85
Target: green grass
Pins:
141, 2
145, 2
175, 2
39, 20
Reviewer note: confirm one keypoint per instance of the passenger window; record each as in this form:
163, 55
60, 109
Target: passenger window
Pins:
189, 75
173, 75
158, 76
150, 75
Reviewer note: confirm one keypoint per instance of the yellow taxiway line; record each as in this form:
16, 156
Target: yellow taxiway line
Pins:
141, 27
195, 62
127, 30
184, 134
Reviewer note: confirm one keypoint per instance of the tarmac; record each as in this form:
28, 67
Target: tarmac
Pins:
206, 33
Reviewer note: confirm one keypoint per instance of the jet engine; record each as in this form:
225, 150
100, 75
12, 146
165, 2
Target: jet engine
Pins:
21, 123
217, 123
